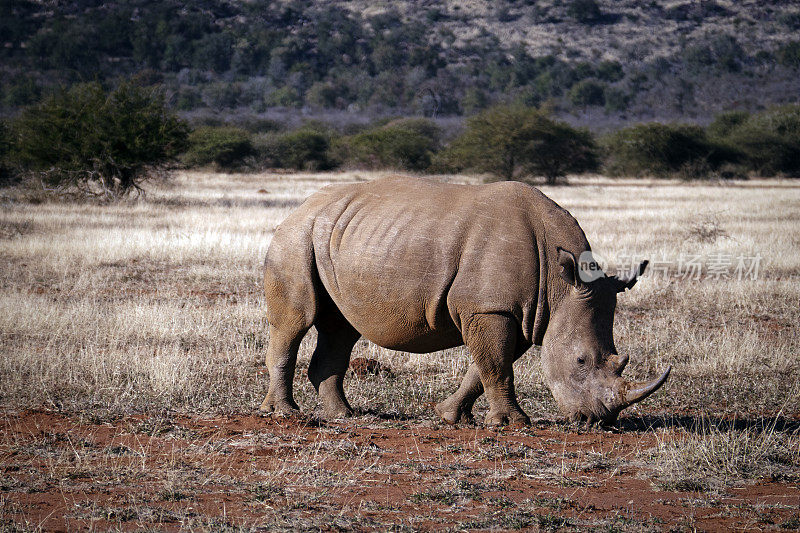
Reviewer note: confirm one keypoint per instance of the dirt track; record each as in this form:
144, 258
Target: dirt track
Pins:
250, 472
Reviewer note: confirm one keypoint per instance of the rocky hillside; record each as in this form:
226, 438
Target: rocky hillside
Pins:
595, 62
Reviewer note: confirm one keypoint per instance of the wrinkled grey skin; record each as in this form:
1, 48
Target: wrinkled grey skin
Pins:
420, 266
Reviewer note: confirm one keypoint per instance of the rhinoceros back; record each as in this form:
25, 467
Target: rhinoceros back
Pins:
407, 261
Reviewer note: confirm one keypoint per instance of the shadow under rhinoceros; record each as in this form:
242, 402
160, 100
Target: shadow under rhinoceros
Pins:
702, 424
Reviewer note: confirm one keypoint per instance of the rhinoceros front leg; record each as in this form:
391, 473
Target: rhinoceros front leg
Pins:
458, 406
492, 341
281, 362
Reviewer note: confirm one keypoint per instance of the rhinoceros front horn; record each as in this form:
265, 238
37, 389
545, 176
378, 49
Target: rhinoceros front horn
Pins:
639, 391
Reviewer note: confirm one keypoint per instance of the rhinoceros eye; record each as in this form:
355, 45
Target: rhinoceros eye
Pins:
581, 360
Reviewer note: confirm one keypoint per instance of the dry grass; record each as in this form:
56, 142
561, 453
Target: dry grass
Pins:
718, 455
155, 304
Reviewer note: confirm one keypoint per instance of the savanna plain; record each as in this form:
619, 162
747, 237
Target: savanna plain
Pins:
133, 336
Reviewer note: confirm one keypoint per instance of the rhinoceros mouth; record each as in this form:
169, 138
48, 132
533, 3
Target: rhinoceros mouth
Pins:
601, 416
606, 411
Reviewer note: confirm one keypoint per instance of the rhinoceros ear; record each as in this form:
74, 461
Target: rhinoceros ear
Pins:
629, 279
568, 267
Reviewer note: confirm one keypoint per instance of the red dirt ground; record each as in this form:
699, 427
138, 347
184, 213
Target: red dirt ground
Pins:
174, 472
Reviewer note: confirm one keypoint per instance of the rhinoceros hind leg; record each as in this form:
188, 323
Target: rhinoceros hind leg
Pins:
281, 361
330, 361
492, 341
458, 406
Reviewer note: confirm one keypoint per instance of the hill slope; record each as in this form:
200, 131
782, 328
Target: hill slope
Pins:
600, 62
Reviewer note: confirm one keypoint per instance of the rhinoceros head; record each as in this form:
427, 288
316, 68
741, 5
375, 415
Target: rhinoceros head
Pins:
579, 359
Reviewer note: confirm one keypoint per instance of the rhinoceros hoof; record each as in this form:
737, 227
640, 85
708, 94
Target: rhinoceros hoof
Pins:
453, 415
507, 419
279, 408
337, 412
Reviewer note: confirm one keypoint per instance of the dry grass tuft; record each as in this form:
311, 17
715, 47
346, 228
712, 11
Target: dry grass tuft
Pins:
718, 455
707, 229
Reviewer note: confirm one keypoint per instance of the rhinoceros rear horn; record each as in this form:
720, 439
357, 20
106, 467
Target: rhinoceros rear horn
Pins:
627, 280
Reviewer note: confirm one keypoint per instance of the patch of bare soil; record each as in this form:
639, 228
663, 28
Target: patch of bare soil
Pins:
173, 472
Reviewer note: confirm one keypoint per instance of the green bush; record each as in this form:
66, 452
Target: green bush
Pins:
222, 146
770, 141
214, 52
664, 150
791, 20
724, 123
307, 148
515, 142
284, 97
474, 100
188, 98
587, 93
789, 54
610, 71
256, 124
222, 95
722, 52
406, 144
584, 11
22, 92
616, 100
322, 94
423, 127
98, 142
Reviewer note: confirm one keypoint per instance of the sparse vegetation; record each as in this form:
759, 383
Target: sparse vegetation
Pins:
707, 229
203, 239
138, 330
715, 456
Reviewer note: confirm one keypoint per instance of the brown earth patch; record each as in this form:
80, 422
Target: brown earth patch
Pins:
60, 472
363, 366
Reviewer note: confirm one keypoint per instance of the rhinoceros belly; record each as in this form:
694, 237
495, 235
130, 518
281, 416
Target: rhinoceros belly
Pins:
388, 270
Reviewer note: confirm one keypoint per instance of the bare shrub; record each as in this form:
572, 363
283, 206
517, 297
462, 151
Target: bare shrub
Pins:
707, 229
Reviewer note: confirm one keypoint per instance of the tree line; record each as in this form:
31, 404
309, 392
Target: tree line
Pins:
102, 142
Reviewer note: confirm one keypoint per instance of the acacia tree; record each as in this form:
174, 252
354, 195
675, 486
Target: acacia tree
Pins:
516, 142
557, 149
97, 142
